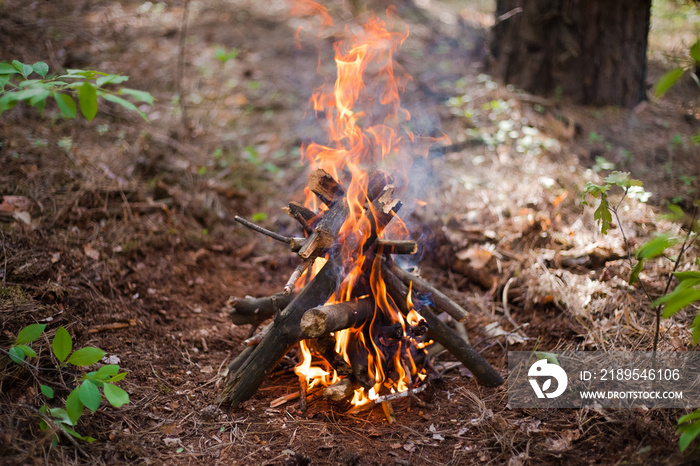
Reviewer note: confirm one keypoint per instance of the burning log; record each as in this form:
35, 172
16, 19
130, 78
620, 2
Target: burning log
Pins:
359, 360
442, 302
286, 331
326, 348
251, 310
442, 333
393, 246
339, 391
323, 320
323, 185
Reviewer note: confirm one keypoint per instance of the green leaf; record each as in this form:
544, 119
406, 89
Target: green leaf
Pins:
89, 395
689, 275
688, 433
87, 96
4, 79
621, 179
6, 68
78, 436
66, 105
39, 101
24, 94
86, 356
27, 351
47, 391
550, 357
118, 377
62, 344
16, 354
667, 81
28, 82
74, 407
141, 96
29, 333
689, 417
695, 329
18, 65
656, 246
107, 370
695, 51
603, 216
124, 103
115, 395
634, 276
110, 79
677, 300
41, 68
60, 415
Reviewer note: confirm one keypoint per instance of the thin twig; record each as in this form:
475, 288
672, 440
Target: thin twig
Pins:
181, 62
627, 244
264, 231
302, 221
289, 287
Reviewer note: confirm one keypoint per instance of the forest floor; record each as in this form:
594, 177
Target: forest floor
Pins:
132, 226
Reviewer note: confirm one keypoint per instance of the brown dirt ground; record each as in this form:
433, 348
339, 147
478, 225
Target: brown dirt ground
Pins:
132, 223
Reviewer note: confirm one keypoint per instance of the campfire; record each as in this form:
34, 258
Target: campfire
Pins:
361, 323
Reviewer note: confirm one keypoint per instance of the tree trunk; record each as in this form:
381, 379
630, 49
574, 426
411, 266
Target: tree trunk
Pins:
590, 52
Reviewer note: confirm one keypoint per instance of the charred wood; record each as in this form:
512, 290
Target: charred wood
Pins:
443, 334
326, 348
285, 331
323, 185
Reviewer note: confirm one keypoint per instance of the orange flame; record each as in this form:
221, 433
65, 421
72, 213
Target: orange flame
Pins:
363, 118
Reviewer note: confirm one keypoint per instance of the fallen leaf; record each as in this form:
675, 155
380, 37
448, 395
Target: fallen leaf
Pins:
394, 446
23, 217
494, 329
563, 443
91, 252
409, 447
15, 204
171, 441
477, 256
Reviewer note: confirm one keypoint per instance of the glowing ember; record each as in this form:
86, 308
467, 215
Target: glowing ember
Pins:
363, 117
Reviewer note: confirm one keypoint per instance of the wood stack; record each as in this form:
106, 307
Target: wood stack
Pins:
305, 315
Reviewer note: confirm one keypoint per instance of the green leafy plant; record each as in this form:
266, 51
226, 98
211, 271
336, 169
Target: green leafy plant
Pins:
34, 85
86, 392
687, 290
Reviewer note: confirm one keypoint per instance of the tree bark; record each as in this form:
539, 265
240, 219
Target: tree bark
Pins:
590, 52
